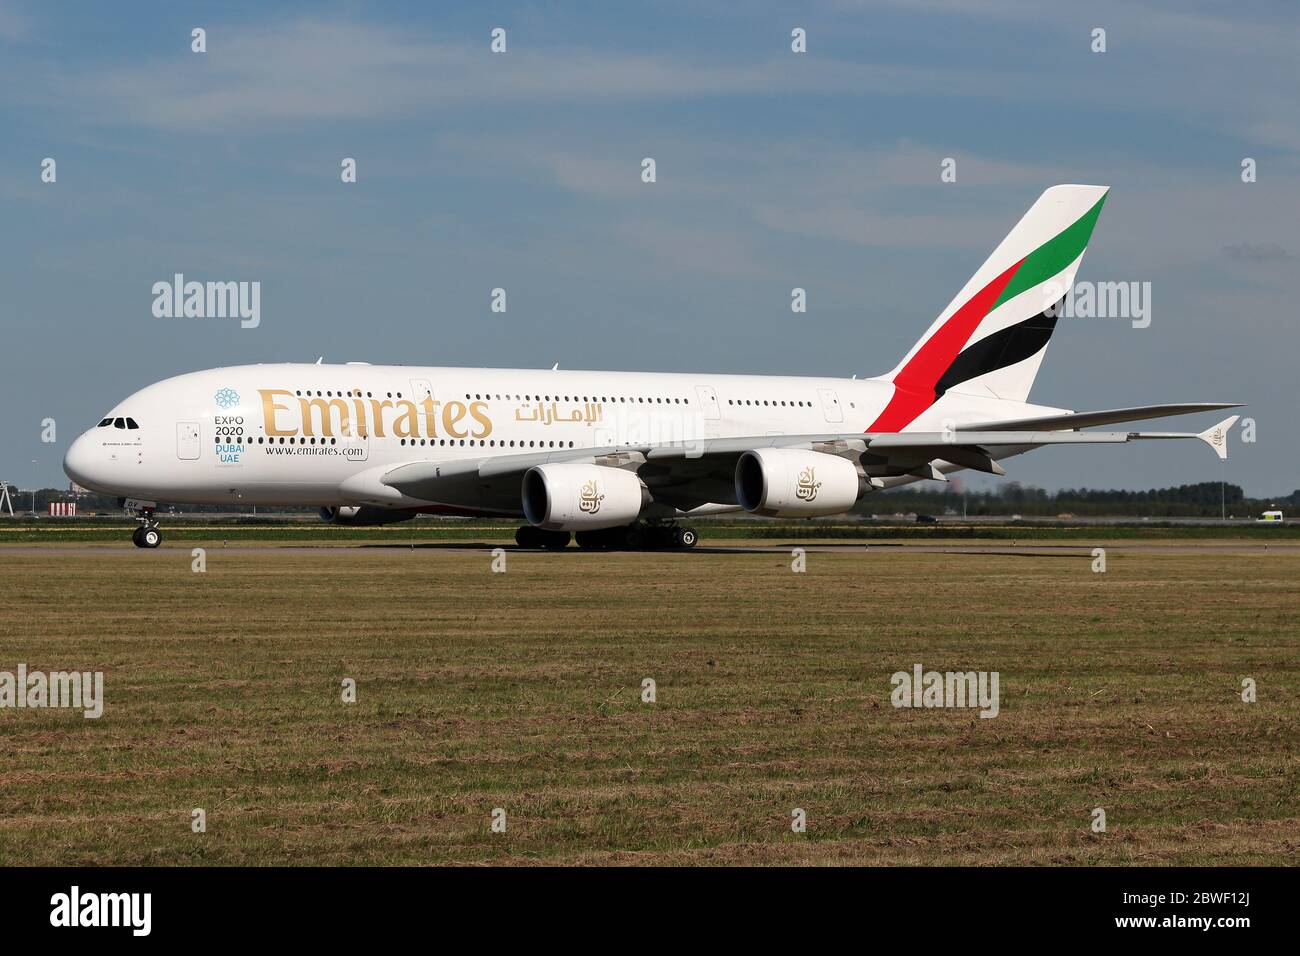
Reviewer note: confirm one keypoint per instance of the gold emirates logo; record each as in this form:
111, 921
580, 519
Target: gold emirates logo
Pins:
354, 416
589, 498
807, 487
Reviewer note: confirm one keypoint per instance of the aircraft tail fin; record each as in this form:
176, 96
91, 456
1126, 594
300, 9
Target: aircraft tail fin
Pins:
991, 338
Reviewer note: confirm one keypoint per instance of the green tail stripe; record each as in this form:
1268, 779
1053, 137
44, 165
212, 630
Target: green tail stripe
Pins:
1052, 256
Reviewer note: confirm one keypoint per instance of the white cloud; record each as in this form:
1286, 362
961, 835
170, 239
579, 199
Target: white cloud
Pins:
286, 74
319, 70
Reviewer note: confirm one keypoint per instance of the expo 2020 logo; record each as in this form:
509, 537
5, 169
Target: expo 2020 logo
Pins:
227, 398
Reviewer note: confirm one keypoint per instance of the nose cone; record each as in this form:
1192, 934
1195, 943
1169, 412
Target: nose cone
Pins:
79, 463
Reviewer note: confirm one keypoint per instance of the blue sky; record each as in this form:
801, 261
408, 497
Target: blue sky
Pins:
521, 171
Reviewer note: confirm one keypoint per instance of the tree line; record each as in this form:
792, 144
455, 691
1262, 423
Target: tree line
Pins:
1199, 500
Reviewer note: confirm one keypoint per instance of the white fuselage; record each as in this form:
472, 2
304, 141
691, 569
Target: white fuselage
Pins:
300, 434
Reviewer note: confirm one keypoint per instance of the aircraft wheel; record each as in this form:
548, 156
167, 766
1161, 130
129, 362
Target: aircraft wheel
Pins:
591, 540
555, 540
135, 537
633, 538
528, 537
150, 538
685, 538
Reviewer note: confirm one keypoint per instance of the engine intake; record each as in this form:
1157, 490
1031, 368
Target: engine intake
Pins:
791, 483
576, 497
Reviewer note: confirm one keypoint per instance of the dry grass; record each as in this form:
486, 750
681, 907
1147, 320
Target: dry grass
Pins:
522, 690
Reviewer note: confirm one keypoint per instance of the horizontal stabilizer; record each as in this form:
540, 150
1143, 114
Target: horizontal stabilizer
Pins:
1216, 436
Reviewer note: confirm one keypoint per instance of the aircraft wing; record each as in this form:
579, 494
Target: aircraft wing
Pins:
688, 474
1111, 416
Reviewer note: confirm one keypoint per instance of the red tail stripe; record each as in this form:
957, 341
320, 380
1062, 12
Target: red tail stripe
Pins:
914, 383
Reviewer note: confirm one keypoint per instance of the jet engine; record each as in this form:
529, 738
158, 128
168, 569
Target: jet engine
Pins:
364, 516
790, 483
576, 497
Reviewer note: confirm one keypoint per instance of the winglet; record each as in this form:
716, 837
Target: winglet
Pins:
1216, 436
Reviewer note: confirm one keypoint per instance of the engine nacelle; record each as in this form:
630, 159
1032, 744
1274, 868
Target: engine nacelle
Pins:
576, 497
364, 516
790, 483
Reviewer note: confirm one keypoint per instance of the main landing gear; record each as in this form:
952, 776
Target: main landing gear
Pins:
147, 535
642, 536
530, 537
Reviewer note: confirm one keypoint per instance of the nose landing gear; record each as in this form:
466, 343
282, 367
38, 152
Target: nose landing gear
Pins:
147, 535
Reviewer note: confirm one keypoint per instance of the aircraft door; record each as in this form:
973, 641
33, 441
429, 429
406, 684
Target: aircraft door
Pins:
831, 405
356, 447
187, 441
711, 411
709, 402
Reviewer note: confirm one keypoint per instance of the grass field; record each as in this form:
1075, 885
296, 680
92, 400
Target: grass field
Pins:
522, 690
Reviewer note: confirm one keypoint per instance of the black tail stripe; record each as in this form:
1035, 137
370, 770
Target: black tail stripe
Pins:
1013, 344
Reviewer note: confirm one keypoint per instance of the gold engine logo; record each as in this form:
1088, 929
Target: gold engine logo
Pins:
589, 498
807, 487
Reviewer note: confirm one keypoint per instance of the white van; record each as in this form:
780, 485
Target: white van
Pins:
1270, 517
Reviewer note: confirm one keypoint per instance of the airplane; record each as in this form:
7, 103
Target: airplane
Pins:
621, 459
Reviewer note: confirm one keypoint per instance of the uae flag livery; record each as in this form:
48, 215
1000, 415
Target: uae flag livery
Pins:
992, 337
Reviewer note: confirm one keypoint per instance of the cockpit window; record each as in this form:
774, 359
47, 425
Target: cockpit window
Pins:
119, 423
130, 423
105, 423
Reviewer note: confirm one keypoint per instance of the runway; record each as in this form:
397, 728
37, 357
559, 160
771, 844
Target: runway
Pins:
725, 547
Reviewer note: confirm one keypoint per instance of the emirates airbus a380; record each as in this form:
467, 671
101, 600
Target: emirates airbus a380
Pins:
620, 458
